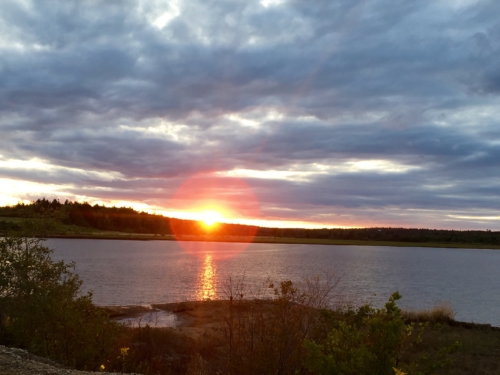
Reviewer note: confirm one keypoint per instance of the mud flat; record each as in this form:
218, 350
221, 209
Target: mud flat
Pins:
193, 319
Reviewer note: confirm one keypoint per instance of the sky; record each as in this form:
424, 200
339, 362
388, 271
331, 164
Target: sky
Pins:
324, 113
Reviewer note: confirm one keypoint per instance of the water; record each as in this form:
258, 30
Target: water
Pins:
155, 318
139, 272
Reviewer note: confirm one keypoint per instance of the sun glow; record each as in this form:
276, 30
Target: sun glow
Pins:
210, 218
214, 201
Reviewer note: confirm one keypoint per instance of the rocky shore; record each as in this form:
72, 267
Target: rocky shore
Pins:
15, 361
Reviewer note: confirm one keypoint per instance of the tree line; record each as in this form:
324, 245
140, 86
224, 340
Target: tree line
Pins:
125, 219
121, 219
388, 234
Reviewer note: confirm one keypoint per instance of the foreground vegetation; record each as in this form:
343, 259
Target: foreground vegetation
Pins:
299, 331
82, 220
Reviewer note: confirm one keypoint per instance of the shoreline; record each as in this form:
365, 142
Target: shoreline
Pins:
274, 240
199, 315
476, 351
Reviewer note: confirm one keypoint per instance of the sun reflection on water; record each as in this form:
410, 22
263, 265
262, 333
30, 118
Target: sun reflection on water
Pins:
207, 288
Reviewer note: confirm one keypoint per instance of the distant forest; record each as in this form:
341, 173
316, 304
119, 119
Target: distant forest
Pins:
128, 220
121, 219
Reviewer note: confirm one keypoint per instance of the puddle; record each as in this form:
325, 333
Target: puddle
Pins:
155, 318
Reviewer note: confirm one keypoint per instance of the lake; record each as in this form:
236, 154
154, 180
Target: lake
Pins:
145, 272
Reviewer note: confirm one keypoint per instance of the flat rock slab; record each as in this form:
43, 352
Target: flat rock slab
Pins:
15, 361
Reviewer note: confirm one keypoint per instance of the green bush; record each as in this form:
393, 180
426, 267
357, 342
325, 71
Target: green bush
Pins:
152, 350
366, 341
41, 308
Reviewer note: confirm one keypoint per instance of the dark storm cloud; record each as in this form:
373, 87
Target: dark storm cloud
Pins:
152, 92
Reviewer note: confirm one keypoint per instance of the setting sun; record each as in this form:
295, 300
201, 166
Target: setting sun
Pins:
218, 204
209, 218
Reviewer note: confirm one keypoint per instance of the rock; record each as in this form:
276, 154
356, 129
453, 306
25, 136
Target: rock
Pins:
15, 361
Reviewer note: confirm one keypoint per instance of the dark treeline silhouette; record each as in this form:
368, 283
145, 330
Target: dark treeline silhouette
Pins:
128, 220
120, 219
92, 216
388, 234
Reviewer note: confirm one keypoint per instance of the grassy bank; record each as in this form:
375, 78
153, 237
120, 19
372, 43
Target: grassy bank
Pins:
313, 241
277, 240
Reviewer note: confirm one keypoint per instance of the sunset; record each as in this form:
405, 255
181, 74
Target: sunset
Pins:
210, 218
250, 187
349, 114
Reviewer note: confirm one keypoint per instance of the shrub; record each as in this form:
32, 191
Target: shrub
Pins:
366, 341
41, 308
266, 336
152, 350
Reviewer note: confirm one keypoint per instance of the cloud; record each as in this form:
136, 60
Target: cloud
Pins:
334, 111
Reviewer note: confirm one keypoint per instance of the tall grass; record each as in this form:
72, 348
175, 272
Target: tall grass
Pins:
442, 313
